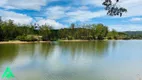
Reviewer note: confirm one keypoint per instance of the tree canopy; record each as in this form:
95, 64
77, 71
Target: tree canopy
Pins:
11, 31
113, 9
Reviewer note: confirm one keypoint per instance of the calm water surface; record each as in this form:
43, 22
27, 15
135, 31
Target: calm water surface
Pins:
96, 60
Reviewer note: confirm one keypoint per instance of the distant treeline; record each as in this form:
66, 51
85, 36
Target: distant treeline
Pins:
11, 31
134, 34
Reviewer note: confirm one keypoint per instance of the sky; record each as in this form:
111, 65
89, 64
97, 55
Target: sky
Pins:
61, 13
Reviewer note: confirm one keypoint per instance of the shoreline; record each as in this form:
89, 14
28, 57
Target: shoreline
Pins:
22, 42
75, 40
27, 42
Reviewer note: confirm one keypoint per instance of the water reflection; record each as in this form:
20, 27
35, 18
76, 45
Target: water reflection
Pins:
46, 49
62, 51
8, 53
94, 48
60, 60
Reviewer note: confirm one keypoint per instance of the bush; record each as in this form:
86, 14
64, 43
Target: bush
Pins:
28, 38
21, 38
70, 38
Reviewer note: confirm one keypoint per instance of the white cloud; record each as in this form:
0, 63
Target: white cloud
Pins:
73, 14
24, 4
133, 6
53, 23
17, 17
89, 2
135, 19
83, 8
84, 15
97, 3
56, 12
2, 2
126, 27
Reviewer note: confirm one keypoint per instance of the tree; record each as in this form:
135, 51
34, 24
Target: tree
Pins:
0, 19
112, 34
64, 33
45, 32
113, 9
9, 30
72, 26
1, 33
101, 31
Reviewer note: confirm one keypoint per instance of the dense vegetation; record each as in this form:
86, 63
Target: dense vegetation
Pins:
11, 31
134, 34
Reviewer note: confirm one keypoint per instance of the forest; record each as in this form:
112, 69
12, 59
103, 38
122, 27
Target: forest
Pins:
11, 31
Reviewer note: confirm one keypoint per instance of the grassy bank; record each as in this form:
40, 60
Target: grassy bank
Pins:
22, 42
26, 42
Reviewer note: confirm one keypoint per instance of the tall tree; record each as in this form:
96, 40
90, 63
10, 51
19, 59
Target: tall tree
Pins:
1, 33
72, 26
45, 32
101, 31
112, 34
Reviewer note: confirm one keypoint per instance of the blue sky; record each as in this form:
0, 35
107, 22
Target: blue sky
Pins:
61, 13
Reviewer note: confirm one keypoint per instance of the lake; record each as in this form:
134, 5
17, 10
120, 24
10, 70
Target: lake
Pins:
94, 60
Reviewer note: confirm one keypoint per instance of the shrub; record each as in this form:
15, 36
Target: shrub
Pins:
21, 38
28, 38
